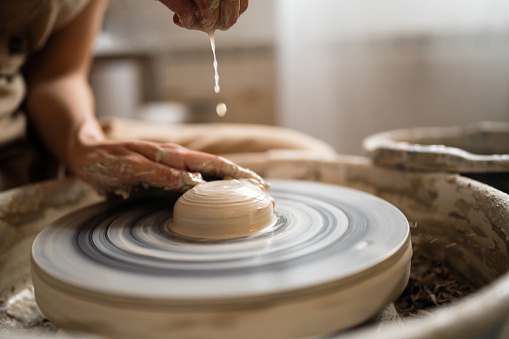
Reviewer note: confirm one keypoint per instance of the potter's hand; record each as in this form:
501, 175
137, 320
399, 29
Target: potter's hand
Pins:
206, 15
114, 166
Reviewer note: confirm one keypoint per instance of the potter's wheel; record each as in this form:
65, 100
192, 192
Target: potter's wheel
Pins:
333, 258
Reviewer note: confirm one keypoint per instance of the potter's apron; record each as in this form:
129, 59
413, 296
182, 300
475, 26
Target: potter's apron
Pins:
25, 26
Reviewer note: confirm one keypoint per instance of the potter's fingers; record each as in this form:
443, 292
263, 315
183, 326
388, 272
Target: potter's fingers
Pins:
158, 175
223, 168
119, 174
186, 13
209, 165
185, 159
230, 12
208, 13
171, 155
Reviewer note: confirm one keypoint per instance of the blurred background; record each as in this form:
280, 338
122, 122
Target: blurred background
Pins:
335, 69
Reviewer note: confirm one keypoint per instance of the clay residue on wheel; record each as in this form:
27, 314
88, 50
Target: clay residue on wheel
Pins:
20, 312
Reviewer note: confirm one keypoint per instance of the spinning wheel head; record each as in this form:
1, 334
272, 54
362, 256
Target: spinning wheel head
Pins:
332, 256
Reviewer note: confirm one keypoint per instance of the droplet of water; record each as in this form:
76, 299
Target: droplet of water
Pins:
221, 109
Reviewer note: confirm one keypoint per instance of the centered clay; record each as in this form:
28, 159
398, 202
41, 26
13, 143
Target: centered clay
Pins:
223, 209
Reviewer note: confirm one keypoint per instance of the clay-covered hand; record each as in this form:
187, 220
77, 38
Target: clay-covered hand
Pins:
113, 166
206, 15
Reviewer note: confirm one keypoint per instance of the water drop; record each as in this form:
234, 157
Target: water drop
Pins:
221, 109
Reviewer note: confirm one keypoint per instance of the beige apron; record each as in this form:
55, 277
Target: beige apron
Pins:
25, 26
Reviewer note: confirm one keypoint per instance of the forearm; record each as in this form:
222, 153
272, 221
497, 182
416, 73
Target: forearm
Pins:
60, 106
59, 101
62, 111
